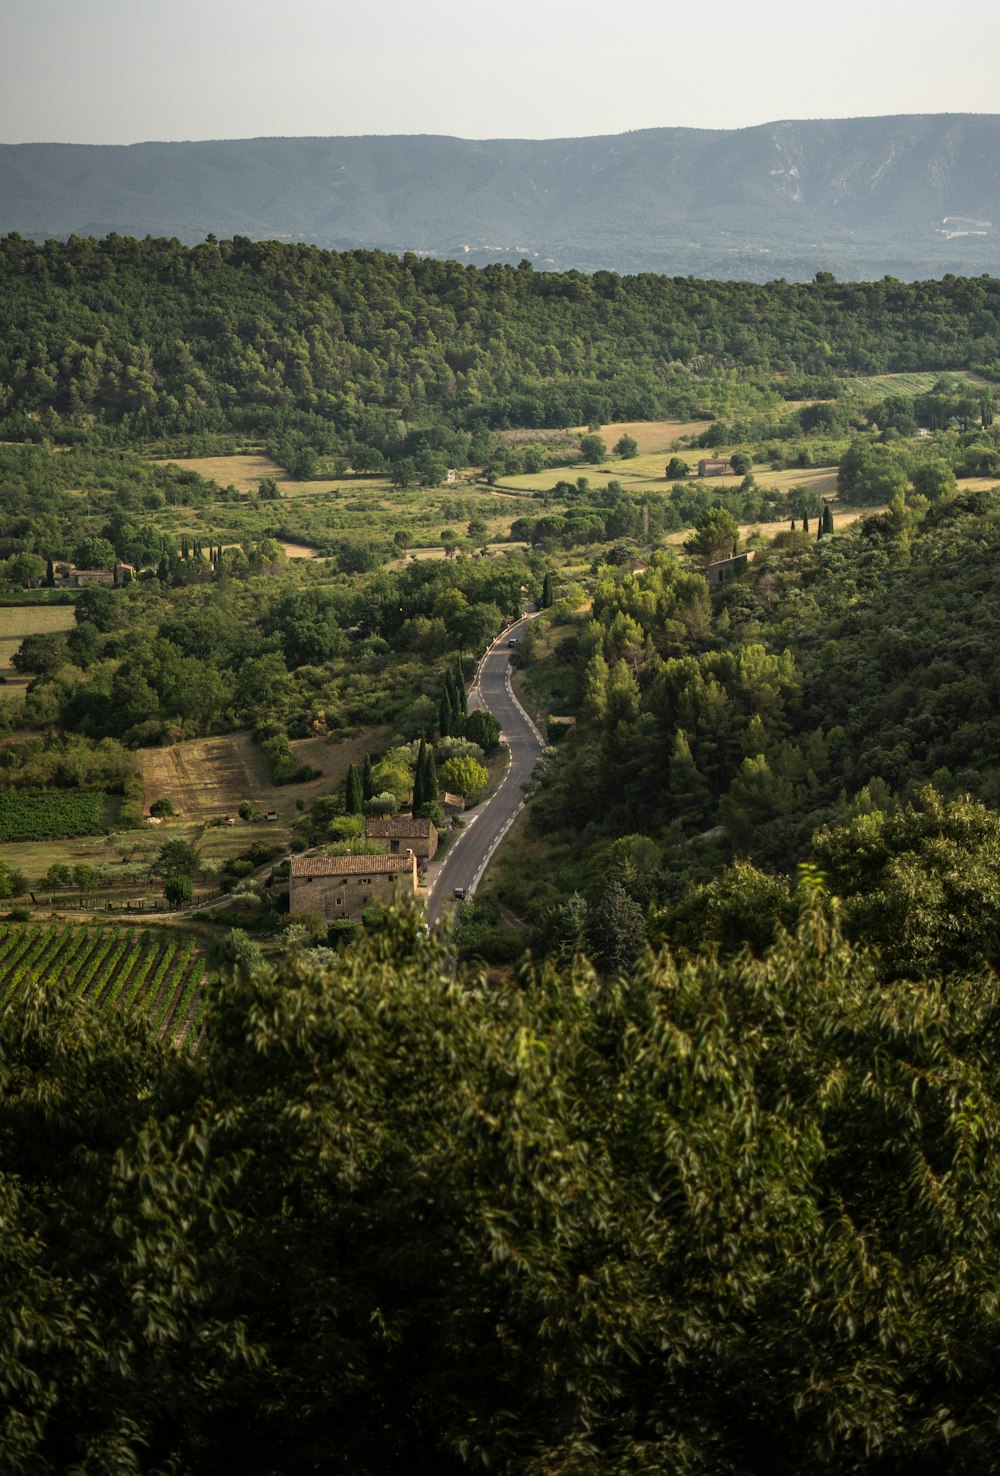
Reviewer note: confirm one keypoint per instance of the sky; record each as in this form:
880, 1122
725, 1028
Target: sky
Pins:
127, 71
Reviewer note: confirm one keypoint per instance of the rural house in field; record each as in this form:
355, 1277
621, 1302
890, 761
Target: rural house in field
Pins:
724, 569
715, 466
120, 575
404, 833
343, 886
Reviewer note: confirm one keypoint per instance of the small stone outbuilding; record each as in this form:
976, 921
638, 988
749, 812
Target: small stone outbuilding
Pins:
724, 569
404, 833
343, 886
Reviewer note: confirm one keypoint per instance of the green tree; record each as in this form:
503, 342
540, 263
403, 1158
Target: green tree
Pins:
483, 728
178, 890
922, 883
677, 469
934, 478
593, 449
716, 535
176, 858
626, 447
617, 929
94, 553
464, 776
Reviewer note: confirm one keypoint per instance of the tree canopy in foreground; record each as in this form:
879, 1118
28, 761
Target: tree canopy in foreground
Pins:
734, 1215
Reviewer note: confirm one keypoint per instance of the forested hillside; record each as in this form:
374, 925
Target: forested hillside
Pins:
138, 340
836, 705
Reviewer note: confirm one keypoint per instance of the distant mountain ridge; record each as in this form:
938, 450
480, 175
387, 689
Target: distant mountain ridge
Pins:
910, 196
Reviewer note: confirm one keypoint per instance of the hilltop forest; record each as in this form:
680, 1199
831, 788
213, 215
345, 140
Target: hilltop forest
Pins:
679, 1152
368, 356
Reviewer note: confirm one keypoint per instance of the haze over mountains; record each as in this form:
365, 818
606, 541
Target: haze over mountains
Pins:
910, 196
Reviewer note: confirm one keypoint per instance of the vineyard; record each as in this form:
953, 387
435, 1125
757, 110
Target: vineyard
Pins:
46, 814
156, 975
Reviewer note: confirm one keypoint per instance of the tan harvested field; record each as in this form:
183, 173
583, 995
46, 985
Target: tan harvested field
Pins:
17, 621
842, 518
300, 551
242, 472
652, 435
205, 777
247, 471
438, 553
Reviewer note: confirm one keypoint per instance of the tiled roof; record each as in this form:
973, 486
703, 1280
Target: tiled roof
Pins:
350, 865
396, 827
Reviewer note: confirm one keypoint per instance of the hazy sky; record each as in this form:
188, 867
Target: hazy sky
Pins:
121, 71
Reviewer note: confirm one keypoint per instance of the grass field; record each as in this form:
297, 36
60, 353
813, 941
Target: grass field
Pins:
18, 621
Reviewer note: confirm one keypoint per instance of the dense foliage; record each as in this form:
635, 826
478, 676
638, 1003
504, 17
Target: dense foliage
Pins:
27, 816
327, 352
835, 679
728, 1217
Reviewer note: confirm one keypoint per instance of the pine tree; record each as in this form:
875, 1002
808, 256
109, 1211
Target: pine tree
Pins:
686, 787
353, 796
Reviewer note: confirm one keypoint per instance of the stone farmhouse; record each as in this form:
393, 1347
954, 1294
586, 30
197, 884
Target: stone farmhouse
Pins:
715, 466
724, 569
404, 833
120, 575
343, 886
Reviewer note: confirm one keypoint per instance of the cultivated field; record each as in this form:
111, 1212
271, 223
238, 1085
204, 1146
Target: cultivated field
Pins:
917, 383
205, 777
18, 621
155, 974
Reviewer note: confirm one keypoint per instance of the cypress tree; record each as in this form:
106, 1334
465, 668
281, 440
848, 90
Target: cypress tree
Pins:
50, 573
444, 716
827, 518
353, 797
367, 783
430, 778
461, 695
548, 592
419, 797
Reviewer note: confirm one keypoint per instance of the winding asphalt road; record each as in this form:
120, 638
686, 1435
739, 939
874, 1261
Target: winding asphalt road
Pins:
486, 826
